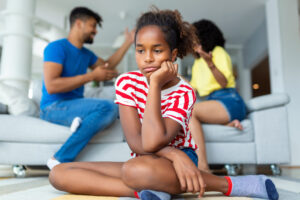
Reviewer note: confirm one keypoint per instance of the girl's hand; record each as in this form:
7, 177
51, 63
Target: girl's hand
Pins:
189, 175
166, 73
206, 56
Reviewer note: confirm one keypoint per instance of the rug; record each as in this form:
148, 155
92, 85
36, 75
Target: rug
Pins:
39, 188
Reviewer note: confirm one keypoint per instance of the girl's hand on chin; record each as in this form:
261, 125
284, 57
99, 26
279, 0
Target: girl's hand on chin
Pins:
166, 73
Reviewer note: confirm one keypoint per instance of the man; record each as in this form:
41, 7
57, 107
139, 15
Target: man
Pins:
65, 73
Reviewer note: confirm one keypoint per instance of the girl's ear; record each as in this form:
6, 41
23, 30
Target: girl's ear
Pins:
174, 55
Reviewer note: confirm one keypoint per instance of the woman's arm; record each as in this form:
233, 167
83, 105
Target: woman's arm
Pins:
219, 76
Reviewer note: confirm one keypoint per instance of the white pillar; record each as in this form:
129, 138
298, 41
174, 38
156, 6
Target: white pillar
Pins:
17, 43
284, 51
274, 44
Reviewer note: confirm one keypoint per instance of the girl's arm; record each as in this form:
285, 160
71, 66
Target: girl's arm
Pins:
158, 132
185, 169
155, 132
132, 129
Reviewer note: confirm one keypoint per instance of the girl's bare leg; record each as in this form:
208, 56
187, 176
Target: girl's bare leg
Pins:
155, 173
211, 112
198, 136
92, 178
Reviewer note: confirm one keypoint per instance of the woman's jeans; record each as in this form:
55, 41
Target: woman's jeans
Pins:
232, 101
96, 115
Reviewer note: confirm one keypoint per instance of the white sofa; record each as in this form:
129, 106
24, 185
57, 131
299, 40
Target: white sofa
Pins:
28, 140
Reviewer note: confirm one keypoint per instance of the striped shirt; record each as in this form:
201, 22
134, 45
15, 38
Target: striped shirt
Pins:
176, 103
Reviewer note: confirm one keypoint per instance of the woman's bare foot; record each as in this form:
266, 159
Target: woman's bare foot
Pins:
236, 124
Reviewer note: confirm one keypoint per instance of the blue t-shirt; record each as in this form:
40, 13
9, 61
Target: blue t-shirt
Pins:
75, 62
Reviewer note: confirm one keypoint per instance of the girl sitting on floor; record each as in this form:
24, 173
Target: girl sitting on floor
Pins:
155, 108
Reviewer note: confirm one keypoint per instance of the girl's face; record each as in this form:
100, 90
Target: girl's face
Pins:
152, 49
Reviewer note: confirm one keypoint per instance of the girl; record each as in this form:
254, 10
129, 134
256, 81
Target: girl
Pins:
213, 78
155, 107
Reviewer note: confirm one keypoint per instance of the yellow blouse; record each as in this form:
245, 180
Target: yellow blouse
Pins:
203, 79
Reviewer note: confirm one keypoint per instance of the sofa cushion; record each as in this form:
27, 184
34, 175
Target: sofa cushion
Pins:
34, 130
221, 133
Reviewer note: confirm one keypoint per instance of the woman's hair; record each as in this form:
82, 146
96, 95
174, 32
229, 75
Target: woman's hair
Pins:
209, 35
178, 34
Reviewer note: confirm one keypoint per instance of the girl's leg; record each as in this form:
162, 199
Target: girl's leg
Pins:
156, 173
208, 112
198, 136
92, 178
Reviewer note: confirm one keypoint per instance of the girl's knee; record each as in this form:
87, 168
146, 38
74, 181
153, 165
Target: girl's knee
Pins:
56, 176
136, 174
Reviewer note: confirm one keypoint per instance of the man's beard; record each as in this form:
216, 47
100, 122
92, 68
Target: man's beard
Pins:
88, 39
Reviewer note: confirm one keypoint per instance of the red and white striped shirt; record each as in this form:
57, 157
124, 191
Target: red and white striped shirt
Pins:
176, 103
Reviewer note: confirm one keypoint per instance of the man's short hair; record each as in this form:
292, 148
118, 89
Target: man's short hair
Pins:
84, 13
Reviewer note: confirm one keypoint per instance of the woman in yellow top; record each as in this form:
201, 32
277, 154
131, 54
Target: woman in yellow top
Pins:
213, 78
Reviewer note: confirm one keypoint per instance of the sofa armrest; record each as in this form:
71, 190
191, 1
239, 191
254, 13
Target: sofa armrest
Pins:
267, 101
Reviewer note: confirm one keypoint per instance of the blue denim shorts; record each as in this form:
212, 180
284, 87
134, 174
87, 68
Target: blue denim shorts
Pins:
232, 101
191, 154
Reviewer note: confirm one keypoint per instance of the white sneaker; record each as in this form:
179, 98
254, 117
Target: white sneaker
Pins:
75, 124
52, 162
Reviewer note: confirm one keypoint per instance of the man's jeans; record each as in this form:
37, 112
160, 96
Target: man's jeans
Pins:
96, 115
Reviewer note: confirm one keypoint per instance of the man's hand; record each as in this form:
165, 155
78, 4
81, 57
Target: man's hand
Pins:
104, 74
129, 35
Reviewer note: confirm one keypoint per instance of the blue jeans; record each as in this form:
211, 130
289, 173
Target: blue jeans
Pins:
191, 154
232, 101
96, 115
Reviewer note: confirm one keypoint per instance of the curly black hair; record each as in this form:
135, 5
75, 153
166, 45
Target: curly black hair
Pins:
84, 13
209, 35
178, 33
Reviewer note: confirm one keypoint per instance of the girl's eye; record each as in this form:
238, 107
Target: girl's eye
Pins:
157, 51
140, 50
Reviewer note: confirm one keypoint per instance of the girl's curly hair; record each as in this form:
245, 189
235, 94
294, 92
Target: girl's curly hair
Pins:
178, 33
209, 35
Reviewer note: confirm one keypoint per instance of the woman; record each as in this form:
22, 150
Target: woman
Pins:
213, 78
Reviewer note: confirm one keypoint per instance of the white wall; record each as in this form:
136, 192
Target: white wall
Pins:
256, 47
284, 51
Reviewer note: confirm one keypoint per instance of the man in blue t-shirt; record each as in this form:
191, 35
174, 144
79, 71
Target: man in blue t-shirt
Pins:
65, 72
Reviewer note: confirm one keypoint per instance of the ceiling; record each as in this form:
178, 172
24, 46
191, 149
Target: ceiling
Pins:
238, 19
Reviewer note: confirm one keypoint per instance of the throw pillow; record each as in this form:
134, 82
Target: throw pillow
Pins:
17, 101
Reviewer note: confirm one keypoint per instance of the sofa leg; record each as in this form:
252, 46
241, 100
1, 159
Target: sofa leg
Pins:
19, 171
233, 169
276, 171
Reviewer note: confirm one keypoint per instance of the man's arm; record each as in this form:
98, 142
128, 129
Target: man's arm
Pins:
115, 59
56, 84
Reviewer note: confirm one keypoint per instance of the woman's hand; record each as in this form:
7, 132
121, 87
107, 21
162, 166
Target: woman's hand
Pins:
166, 73
206, 56
189, 175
